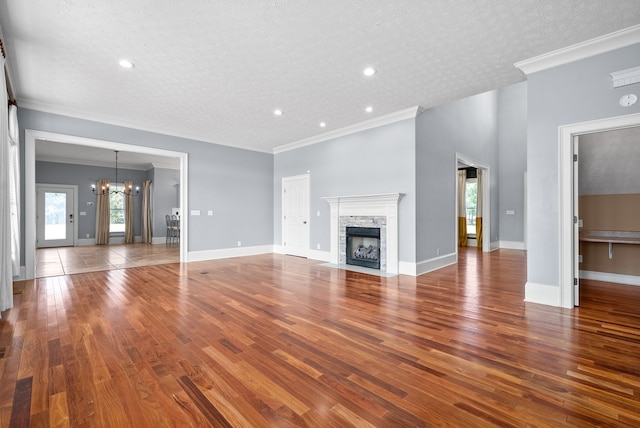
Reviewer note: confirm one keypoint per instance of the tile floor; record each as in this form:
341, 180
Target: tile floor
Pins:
70, 260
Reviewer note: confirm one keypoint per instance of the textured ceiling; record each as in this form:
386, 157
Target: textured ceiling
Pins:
216, 70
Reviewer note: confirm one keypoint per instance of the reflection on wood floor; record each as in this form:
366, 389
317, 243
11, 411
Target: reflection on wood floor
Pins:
70, 260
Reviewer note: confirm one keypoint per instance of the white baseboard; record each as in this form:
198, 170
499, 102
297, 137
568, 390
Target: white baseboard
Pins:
435, 263
406, 268
610, 277
22, 275
158, 240
542, 293
494, 245
278, 249
511, 245
114, 240
225, 253
323, 256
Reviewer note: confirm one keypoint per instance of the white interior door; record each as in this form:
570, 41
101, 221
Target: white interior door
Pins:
577, 223
295, 215
55, 216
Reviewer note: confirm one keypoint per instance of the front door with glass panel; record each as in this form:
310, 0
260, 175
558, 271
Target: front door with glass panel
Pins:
54, 226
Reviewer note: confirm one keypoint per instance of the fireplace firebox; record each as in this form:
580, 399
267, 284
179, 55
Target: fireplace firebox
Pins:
363, 247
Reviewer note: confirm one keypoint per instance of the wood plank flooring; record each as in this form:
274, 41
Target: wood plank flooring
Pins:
273, 340
92, 258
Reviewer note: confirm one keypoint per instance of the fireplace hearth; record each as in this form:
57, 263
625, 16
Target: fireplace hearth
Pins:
363, 247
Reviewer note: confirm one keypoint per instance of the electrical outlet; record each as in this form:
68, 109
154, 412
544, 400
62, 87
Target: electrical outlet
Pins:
437, 251
318, 214
317, 246
239, 243
87, 235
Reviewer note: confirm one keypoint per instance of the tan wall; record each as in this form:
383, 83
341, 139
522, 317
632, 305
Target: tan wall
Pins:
615, 213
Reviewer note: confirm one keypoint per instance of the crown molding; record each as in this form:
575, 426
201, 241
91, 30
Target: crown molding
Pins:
352, 129
47, 108
608, 42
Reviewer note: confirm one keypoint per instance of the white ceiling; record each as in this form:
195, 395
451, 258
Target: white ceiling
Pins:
216, 70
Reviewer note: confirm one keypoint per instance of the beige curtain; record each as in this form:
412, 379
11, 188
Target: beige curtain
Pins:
103, 213
128, 213
146, 212
462, 208
479, 211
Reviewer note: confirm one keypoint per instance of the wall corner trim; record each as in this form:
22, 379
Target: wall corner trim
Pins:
352, 129
608, 42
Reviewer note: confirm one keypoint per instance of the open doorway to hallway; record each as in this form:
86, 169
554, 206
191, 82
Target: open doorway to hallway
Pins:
473, 213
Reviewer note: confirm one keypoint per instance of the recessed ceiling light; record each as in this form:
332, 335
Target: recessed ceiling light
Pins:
369, 71
277, 112
369, 109
125, 63
322, 124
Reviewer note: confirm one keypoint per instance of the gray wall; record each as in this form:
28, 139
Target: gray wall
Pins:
609, 162
166, 195
235, 183
512, 147
469, 127
378, 160
84, 176
572, 93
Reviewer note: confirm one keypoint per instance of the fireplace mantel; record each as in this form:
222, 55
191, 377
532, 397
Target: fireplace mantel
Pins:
382, 205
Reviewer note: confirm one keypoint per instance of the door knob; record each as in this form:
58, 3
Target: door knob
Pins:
304, 222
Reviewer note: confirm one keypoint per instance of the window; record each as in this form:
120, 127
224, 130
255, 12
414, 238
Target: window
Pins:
471, 200
116, 207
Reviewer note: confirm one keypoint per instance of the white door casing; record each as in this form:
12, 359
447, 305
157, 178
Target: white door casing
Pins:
565, 195
576, 225
295, 215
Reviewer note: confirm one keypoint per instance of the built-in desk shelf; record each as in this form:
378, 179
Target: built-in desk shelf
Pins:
610, 237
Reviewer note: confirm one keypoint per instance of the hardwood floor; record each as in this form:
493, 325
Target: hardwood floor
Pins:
81, 259
273, 340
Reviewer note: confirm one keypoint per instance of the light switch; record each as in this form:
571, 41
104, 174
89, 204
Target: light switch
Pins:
195, 212
83, 213
210, 212
318, 213
511, 212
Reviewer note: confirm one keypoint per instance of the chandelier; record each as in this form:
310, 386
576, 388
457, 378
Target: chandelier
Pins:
106, 190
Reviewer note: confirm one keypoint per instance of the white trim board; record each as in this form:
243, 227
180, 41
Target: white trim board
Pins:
542, 294
610, 277
511, 245
436, 263
608, 42
30, 137
227, 253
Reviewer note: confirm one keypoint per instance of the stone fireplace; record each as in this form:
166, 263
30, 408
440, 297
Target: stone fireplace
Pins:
379, 212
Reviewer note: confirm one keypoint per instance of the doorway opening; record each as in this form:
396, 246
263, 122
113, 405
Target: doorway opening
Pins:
568, 191
473, 206
32, 136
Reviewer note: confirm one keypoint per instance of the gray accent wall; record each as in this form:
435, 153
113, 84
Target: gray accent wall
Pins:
378, 160
469, 127
235, 183
577, 92
84, 176
512, 147
165, 195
